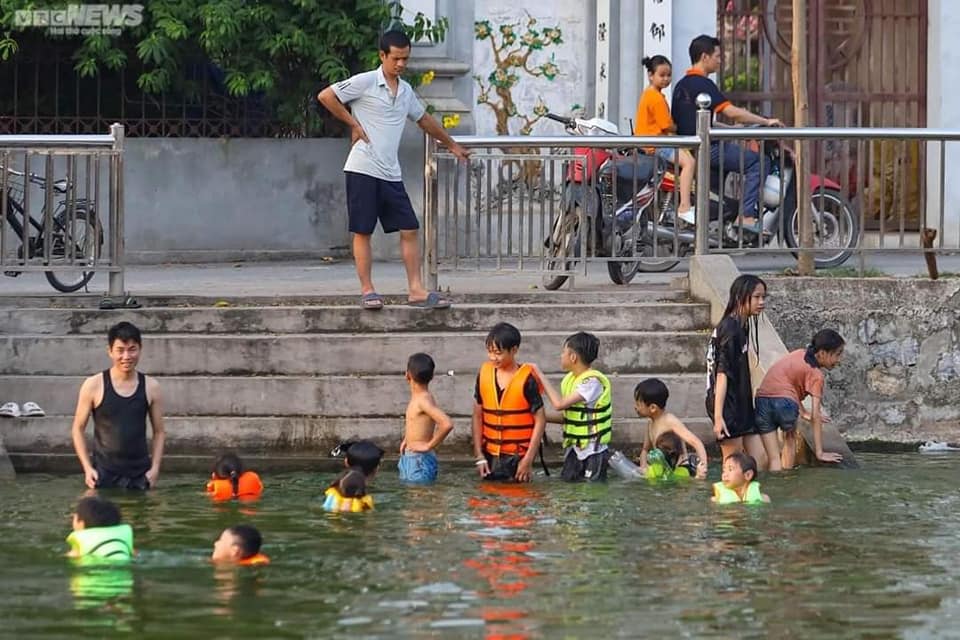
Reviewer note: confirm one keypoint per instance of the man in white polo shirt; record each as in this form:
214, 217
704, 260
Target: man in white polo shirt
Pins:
381, 102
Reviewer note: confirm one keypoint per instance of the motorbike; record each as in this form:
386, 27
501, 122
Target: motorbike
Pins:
835, 222
612, 194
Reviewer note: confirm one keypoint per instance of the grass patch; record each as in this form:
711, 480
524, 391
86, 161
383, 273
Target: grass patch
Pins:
839, 272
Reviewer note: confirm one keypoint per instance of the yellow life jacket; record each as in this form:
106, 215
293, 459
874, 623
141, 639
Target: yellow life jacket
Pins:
334, 501
582, 424
112, 543
729, 496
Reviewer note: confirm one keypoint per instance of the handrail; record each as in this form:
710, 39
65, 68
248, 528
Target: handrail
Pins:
569, 142
19, 141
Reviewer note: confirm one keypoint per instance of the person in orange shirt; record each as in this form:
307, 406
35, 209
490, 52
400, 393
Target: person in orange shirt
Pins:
653, 119
229, 480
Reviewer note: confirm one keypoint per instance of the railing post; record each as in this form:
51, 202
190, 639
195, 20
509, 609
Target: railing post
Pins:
430, 237
704, 114
117, 248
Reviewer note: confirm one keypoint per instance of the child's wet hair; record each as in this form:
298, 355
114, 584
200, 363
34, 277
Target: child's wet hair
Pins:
504, 336
248, 539
97, 512
420, 366
652, 62
744, 461
652, 391
229, 467
585, 345
351, 484
671, 447
124, 332
365, 456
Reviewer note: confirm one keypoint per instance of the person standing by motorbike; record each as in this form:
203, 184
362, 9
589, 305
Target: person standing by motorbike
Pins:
705, 58
653, 119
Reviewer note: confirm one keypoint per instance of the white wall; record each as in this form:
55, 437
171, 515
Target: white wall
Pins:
943, 112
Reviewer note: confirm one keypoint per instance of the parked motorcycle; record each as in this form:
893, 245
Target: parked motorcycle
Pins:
835, 222
612, 193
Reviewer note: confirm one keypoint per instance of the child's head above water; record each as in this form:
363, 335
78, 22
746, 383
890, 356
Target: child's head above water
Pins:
364, 456
236, 544
659, 71
502, 344
95, 512
229, 467
739, 470
650, 397
420, 368
579, 351
351, 484
826, 349
671, 447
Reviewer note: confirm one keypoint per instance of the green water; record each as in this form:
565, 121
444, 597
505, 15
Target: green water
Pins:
839, 554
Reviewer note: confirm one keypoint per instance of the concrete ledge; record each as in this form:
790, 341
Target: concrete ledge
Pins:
6, 467
710, 280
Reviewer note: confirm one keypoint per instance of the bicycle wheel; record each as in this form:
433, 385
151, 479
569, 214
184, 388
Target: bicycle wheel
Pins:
84, 234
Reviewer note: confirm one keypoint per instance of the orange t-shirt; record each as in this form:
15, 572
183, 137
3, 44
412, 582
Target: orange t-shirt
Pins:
248, 486
792, 377
653, 115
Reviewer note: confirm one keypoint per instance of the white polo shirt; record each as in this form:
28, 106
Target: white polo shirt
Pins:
383, 116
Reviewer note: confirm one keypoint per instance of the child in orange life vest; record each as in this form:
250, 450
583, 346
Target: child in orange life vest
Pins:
229, 480
239, 544
508, 416
739, 481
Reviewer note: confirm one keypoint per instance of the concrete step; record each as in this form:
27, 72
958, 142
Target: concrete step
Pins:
280, 435
652, 316
341, 353
379, 395
646, 293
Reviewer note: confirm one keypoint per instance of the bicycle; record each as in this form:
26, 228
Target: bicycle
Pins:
75, 239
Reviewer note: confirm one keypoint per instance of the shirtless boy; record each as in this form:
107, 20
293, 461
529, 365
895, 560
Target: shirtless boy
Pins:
426, 424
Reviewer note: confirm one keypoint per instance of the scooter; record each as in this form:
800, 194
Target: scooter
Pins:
612, 194
835, 222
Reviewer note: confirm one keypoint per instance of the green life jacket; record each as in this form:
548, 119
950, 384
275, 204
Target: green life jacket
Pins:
729, 496
582, 424
113, 543
659, 469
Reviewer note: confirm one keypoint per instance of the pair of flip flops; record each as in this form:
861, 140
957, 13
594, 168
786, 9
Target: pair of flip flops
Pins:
374, 302
29, 410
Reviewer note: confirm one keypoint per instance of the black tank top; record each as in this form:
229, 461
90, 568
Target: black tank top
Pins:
120, 430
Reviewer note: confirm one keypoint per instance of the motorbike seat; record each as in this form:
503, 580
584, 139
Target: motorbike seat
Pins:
629, 170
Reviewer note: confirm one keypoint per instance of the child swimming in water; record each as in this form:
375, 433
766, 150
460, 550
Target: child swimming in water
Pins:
239, 544
98, 531
739, 482
230, 480
650, 397
669, 459
426, 425
348, 492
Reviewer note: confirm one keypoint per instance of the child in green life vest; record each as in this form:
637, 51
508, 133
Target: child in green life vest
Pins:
739, 481
586, 405
98, 532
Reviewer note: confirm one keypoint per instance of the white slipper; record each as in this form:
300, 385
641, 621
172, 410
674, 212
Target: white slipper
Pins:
31, 410
10, 410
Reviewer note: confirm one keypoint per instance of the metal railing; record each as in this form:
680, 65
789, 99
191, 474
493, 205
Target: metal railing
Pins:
872, 190
62, 203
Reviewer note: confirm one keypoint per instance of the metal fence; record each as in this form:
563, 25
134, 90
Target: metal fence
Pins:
62, 198
518, 196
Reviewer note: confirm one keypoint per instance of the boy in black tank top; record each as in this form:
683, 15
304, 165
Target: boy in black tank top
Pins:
120, 399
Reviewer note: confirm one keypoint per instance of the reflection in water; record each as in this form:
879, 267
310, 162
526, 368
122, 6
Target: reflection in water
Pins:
107, 589
504, 559
233, 586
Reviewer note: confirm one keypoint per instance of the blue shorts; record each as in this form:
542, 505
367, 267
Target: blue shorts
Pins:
669, 155
370, 199
418, 467
776, 413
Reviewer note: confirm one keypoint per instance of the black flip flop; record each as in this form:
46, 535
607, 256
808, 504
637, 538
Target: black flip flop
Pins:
119, 302
433, 301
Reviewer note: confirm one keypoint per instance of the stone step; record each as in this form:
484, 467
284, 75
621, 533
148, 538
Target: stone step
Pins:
212, 435
380, 395
645, 293
652, 316
342, 353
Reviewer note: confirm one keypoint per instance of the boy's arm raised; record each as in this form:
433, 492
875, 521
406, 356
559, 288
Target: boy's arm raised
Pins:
691, 439
559, 402
442, 421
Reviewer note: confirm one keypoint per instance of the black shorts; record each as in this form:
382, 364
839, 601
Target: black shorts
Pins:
107, 479
502, 468
592, 469
370, 199
737, 425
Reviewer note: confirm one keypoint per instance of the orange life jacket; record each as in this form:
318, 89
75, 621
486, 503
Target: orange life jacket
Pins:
248, 486
507, 421
254, 560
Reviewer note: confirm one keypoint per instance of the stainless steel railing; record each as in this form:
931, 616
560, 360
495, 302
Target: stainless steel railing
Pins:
62, 203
